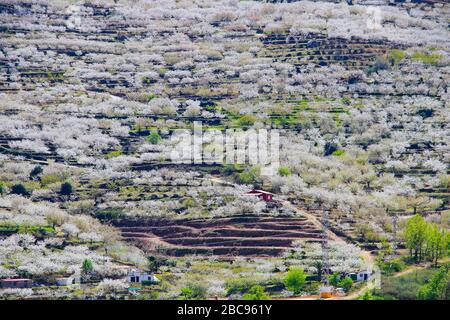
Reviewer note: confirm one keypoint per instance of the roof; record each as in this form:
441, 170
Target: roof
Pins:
258, 192
12, 280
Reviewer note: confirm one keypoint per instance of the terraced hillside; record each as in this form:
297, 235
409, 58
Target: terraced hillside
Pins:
245, 235
91, 93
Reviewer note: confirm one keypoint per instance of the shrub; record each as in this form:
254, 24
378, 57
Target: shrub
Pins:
155, 262
334, 279
66, 189
346, 101
396, 56
148, 282
113, 154
36, 171
338, 153
188, 203
109, 214
392, 266
246, 120
87, 266
295, 280
154, 138
444, 181
239, 285
425, 113
346, 283
19, 189
248, 177
284, 171
193, 291
256, 293
329, 148
229, 169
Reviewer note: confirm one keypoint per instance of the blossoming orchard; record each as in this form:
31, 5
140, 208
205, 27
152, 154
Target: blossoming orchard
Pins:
224, 149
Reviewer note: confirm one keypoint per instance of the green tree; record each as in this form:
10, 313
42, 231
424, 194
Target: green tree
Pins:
35, 172
334, 279
249, 176
437, 240
256, 293
318, 264
346, 283
295, 279
437, 287
19, 189
415, 236
153, 263
154, 138
87, 266
66, 189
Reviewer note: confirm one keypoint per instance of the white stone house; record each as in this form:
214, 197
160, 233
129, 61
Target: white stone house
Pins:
360, 276
65, 281
137, 276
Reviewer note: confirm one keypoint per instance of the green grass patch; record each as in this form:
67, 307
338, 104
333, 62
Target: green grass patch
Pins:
246, 121
431, 59
34, 230
113, 154
404, 287
338, 153
396, 56
109, 214
47, 179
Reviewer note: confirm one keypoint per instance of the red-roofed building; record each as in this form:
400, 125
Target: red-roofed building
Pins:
264, 195
16, 283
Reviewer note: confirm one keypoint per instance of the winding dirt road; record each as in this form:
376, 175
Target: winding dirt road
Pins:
369, 260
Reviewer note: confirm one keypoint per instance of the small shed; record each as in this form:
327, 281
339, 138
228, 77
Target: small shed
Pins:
360, 276
138, 276
65, 281
16, 283
264, 195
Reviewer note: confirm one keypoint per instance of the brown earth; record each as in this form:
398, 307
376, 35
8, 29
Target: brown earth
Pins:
241, 235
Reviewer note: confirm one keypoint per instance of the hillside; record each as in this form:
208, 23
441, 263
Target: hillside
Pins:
92, 94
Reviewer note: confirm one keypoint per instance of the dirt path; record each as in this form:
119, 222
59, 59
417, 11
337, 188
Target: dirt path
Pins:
369, 260
311, 218
418, 267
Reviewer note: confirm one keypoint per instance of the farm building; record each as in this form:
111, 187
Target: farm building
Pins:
16, 283
67, 281
264, 195
138, 276
360, 276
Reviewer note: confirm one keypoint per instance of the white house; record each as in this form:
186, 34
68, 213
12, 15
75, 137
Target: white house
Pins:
137, 276
360, 276
65, 281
